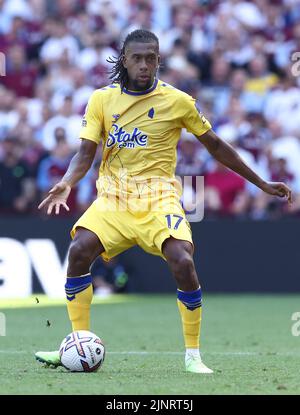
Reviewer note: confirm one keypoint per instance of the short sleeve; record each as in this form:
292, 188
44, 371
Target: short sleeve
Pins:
92, 121
192, 119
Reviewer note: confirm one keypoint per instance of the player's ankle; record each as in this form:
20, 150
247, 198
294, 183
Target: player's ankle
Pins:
195, 353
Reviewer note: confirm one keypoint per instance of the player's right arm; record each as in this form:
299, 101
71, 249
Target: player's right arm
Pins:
78, 167
90, 134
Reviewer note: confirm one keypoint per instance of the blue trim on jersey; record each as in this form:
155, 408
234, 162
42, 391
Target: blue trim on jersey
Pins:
147, 91
191, 299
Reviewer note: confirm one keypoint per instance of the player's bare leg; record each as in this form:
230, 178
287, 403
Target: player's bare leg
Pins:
179, 255
84, 249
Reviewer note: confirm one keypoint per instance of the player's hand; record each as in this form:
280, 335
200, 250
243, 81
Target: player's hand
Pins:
56, 198
278, 189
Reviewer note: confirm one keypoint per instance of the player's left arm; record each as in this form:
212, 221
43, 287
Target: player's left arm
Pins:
226, 154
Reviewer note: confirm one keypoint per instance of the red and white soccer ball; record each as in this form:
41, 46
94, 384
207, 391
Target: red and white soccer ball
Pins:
82, 351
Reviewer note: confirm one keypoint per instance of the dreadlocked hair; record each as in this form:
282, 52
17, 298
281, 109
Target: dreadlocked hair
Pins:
118, 74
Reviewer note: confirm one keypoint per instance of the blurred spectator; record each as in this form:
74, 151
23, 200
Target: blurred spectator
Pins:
82, 92
256, 138
283, 104
19, 8
60, 42
190, 157
225, 193
96, 53
5, 19
258, 84
288, 147
32, 151
8, 113
191, 163
87, 190
17, 189
266, 206
65, 117
217, 88
20, 75
53, 167
109, 277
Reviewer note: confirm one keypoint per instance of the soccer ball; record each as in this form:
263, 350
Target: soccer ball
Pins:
82, 351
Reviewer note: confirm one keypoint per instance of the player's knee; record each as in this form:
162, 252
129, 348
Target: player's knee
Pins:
186, 264
182, 263
78, 254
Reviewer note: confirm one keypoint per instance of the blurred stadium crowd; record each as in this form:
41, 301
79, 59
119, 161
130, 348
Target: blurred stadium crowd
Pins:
235, 57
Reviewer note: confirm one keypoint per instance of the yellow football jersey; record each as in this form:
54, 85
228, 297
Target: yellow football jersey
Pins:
139, 132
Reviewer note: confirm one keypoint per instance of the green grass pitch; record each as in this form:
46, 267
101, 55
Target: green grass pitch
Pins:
246, 339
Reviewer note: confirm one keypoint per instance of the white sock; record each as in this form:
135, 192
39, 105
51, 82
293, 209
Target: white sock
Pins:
192, 353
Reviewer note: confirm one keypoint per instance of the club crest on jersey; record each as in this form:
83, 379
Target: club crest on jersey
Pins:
121, 138
116, 116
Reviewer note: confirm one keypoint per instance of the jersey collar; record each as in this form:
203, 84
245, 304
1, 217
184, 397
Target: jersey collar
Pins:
147, 91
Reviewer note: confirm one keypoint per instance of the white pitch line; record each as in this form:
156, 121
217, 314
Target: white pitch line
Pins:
144, 352
182, 353
264, 354
166, 353
234, 354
